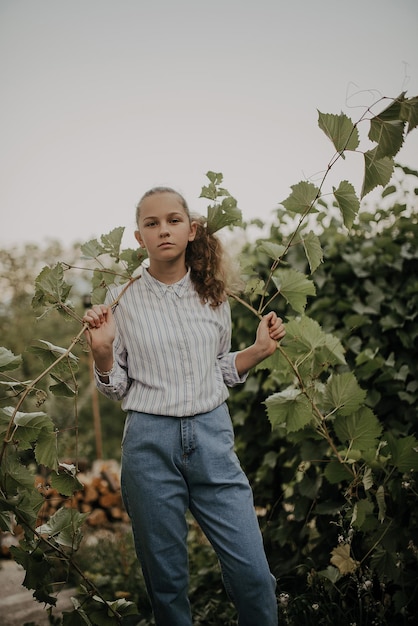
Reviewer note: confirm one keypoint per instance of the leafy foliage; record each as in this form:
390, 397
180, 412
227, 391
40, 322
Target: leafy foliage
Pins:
334, 469
341, 130
338, 472
225, 213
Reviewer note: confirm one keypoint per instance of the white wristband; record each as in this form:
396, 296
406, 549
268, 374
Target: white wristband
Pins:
108, 373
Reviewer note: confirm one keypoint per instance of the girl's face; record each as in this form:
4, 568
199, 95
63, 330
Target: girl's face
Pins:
164, 227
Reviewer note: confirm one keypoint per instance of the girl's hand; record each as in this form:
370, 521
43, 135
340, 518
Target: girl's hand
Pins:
101, 331
270, 330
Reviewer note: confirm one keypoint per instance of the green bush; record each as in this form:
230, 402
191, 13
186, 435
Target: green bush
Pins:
326, 427
367, 296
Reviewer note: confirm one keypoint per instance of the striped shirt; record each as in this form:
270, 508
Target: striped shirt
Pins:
171, 352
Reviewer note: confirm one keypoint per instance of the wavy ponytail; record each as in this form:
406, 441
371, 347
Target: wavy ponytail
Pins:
205, 257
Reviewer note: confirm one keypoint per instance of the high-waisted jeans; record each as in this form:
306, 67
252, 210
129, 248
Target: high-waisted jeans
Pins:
172, 464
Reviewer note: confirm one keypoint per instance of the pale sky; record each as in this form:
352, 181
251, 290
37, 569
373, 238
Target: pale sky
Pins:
103, 99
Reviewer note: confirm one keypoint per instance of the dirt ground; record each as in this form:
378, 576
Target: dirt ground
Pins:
17, 605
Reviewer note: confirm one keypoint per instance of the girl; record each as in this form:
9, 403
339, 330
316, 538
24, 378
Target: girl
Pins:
165, 352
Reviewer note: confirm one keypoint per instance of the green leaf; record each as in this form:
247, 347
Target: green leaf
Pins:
381, 504
368, 479
92, 249
29, 427
65, 482
57, 350
273, 250
340, 129
49, 353
209, 192
50, 288
213, 191
64, 527
302, 198
98, 295
409, 112
25, 506
343, 394
310, 348
254, 286
61, 388
389, 136
278, 363
224, 214
100, 283
351, 455
133, 258
112, 242
348, 202
103, 279
295, 287
385, 564
313, 251
215, 177
360, 429
362, 509
404, 452
336, 472
331, 573
37, 576
393, 110
387, 129
376, 171
46, 449
289, 408
124, 607
8, 361
102, 613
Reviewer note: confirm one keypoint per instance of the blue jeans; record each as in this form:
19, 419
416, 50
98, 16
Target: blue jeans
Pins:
172, 464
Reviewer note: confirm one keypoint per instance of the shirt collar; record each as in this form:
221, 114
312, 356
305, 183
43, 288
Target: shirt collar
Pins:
160, 289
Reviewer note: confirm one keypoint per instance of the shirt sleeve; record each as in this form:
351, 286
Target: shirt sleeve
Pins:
227, 358
119, 381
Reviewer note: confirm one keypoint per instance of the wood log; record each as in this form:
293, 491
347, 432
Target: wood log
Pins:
100, 498
107, 500
97, 518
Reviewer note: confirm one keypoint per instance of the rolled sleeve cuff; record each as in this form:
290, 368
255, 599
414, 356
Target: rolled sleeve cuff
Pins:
229, 370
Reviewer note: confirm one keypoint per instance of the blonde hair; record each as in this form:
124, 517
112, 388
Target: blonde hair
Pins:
205, 255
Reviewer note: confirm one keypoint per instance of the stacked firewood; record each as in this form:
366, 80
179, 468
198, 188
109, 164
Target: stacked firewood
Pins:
100, 498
